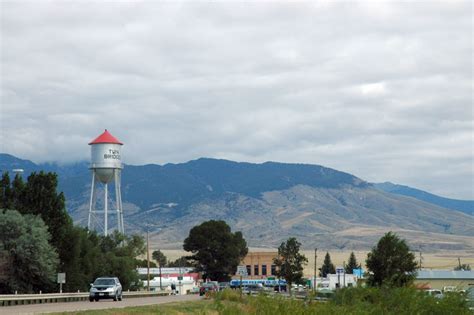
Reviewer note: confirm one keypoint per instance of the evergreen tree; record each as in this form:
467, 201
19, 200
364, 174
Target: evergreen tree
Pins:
42, 198
352, 264
17, 192
290, 262
216, 250
327, 267
180, 262
391, 262
6, 198
159, 257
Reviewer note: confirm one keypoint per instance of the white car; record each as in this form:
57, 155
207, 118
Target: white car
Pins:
106, 288
435, 293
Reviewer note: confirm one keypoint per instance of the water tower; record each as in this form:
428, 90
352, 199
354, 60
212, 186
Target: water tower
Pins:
106, 166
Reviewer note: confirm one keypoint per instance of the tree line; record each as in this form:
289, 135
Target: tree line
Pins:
217, 252
38, 240
390, 263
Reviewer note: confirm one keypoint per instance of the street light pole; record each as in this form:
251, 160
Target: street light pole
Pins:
161, 287
148, 259
315, 258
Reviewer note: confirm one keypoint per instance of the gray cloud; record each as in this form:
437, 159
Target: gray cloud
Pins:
381, 90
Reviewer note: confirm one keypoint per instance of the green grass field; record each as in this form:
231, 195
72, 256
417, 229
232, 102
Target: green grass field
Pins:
181, 308
396, 301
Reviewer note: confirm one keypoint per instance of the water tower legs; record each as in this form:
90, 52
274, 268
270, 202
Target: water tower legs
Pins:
118, 200
91, 201
94, 222
106, 202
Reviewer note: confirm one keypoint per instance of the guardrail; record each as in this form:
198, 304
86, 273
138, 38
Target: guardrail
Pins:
21, 299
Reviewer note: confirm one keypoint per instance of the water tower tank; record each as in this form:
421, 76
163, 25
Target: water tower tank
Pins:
105, 156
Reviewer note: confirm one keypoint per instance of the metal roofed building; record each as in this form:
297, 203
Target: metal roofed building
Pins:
438, 279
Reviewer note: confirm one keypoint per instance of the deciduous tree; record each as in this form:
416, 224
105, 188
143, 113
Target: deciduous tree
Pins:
391, 262
29, 262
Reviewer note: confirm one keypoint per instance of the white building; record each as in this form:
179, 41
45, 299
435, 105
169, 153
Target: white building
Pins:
341, 280
187, 284
165, 270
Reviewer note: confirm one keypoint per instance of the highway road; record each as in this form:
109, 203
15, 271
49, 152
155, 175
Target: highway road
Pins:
86, 305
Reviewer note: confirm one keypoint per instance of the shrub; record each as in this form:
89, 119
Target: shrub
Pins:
346, 301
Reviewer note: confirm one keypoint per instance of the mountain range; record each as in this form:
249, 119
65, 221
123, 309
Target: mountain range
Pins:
269, 202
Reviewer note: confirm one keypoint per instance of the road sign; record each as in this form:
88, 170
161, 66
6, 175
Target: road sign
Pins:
359, 272
241, 271
339, 270
61, 278
180, 277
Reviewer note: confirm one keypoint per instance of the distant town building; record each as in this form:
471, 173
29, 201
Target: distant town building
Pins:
184, 279
166, 270
259, 265
341, 281
438, 279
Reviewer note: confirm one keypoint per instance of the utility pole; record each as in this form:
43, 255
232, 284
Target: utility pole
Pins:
315, 258
179, 277
344, 274
421, 259
148, 259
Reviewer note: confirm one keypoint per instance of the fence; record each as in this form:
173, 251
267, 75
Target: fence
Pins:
21, 299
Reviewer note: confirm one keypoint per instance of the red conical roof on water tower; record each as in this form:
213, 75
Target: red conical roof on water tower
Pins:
105, 137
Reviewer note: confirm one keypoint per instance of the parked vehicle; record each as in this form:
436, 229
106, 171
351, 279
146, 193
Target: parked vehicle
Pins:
449, 288
435, 293
208, 287
224, 285
280, 288
106, 288
253, 288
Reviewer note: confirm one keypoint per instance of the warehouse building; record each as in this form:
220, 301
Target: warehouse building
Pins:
439, 279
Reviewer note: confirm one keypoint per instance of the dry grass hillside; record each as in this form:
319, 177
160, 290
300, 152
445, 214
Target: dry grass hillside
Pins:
348, 218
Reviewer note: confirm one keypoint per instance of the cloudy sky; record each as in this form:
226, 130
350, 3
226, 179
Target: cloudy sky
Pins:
381, 90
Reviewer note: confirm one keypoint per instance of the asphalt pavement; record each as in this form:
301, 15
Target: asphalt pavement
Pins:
86, 305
